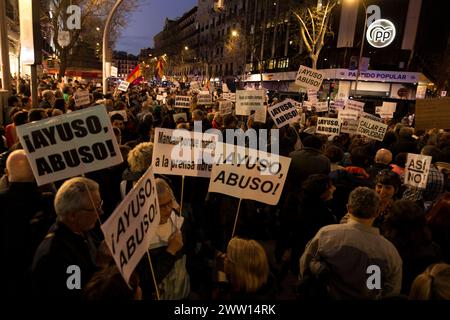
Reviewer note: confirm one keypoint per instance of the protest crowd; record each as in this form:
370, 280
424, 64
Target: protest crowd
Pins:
355, 213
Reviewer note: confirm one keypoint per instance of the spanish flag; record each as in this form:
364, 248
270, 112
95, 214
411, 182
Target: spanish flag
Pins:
134, 75
159, 69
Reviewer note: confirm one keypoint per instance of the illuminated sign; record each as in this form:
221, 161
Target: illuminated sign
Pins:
381, 33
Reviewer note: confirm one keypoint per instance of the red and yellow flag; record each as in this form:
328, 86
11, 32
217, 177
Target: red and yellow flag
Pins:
159, 70
135, 74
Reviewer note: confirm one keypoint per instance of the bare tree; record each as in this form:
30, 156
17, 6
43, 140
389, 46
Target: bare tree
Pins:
55, 15
314, 27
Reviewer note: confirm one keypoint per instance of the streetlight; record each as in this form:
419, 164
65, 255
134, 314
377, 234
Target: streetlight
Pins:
358, 71
186, 48
234, 33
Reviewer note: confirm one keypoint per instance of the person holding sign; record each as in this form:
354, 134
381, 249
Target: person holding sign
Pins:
169, 260
63, 261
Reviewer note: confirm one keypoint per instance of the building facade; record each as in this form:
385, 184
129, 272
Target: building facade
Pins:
124, 62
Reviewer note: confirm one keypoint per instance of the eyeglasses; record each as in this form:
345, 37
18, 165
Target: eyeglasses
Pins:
98, 209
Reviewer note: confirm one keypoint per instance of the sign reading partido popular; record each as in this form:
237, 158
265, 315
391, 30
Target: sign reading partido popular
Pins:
417, 169
69, 145
249, 174
129, 230
181, 152
284, 113
309, 78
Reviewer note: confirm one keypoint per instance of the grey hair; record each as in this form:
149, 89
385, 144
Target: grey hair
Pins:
140, 158
162, 187
72, 195
363, 203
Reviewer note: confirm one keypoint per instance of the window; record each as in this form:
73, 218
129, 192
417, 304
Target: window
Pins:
272, 64
283, 63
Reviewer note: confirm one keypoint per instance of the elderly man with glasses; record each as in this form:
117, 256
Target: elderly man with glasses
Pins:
64, 262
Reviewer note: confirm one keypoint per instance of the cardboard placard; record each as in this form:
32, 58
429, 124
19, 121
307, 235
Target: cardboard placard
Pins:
70, 144
416, 170
182, 102
309, 78
123, 86
81, 98
328, 126
372, 129
128, 231
284, 113
225, 107
248, 100
354, 105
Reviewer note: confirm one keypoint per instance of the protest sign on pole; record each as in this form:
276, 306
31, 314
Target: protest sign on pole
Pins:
371, 129
182, 102
123, 113
328, 126
69, 145
284, 113
248, 100
321, 106
181, 152
128, 231
249, 174
204, 98
123, 86
225, 107
81, 98
354, 105
416, 170
339, 104
261, 114
309, 78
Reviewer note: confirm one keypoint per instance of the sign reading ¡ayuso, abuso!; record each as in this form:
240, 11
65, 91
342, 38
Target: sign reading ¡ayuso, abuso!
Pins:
371, 129
416, 170
328, 126
284, 113
69, 145
129, 230
182, 152
309, 78
182, 102
249, 174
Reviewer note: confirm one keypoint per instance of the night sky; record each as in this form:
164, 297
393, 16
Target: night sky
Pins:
147, 20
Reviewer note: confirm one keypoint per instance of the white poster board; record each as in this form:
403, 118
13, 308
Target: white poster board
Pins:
251, 174
81, 98
309, 78
372, 129
70, 145
328, 126
321, 106
182, 102
284, 113
182, 152
204, 98
225, 107
123, 86
128, 231
416, 170
248, 100
354, 105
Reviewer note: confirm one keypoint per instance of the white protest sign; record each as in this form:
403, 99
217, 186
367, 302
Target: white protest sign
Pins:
225, 107
123, 113
328, 126
354, 105
371, 129
164, 94
370, 116
339, 104
416, 170
181, 152
309, 78
178, 116
249, 174
70, 145
204, 98
389, 107
124, 86
348, 115
81, 98
312, 96
349, 126
128, 231
284, 113
182, 102
248, 100
307, 105
159, 97
261, 114
321, 106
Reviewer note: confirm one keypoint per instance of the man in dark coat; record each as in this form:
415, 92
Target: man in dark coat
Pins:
64, 261
26, 216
